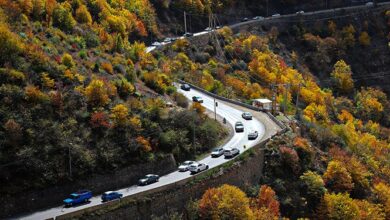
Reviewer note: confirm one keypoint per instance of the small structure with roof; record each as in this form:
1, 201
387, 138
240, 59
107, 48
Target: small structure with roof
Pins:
265, 104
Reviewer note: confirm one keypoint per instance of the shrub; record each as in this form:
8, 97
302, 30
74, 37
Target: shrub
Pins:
33, 94
106, 66
364, 39
180, 99
67, 60
83, 16
10, 45
63, 19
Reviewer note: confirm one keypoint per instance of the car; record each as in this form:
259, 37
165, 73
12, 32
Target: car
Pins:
208, 29
167, 40
247, 116
217, 152
148, 179
229, 153
186, 165
245, 19
198, 167
111, 195
258, 18
370, 4
276, 15
300, 12
185, 87
197, 99
79, 197
253, 135
156, 44
239, 127
188, 34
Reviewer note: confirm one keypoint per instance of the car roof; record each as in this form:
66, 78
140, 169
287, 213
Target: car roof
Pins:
108, 192
188, 161
149, 175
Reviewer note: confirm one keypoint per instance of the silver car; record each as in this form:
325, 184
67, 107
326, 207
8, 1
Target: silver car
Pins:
229, 153
198, 167
253, 135
186, 165
217, 152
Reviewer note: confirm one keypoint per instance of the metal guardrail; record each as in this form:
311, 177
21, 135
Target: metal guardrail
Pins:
279, 123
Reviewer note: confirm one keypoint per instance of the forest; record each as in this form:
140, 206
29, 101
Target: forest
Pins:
76, 80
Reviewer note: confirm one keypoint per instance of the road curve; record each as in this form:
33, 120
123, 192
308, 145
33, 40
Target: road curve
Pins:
238, 140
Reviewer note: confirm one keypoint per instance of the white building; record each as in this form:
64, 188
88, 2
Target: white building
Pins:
265, 104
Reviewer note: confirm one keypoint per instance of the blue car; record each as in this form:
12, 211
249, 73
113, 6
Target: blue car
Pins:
111, 195
79, 197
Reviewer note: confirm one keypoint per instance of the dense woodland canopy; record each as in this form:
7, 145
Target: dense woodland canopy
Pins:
75, 77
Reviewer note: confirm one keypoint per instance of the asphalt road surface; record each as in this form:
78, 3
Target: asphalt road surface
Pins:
238, 140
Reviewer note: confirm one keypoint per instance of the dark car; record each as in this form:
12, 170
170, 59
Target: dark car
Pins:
217, 152
247, 116
245, 19
188, 34
197, 99
239, 127
148, 179
229, 153
185, 87
253, 135
111, 195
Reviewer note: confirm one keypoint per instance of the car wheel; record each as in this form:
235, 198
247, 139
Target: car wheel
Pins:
207, 167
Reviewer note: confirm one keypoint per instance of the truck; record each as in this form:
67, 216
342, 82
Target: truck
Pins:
79, 197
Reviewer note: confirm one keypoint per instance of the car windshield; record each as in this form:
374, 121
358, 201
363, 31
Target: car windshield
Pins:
217, 150
74, 196
239, 123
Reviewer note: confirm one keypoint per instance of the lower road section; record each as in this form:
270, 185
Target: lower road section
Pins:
231, 114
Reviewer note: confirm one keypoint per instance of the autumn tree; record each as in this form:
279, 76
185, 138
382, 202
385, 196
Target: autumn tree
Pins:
83, 16
266, 204
225, 202
364, 39
348, 36
100, 120
342, 77
196, 106
50, 6
62, 18
10, 45
67, 60
314, 187
370, 104
337, 178
98, 93
338, 206
120, 114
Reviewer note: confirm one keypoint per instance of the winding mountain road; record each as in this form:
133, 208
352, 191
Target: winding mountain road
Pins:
238, 140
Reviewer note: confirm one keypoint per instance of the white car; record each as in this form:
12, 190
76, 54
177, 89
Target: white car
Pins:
198, 167
258, 18
208, 29
156, 44
276, 15
253, 135
300, 12
229, 153
186, 165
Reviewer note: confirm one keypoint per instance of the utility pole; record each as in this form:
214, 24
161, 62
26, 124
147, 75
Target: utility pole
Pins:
287, 86
185, 22
193, 132
267, 8
215, 109
273, 98
70, 161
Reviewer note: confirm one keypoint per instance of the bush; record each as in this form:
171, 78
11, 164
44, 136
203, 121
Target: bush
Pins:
83, 15
10, 45
63, 19
67, 60
180, 100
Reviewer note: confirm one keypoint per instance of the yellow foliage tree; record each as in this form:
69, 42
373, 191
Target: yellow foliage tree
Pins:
316, 113
83, 16
97, 93
337, 177
364, 39
225, 202
119, 114
342, 75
